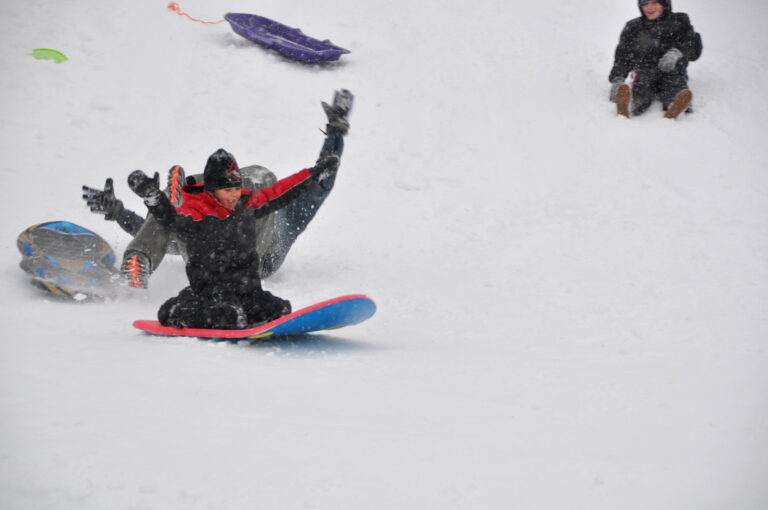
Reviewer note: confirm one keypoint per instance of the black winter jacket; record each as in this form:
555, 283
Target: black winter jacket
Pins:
221, 252
643, 42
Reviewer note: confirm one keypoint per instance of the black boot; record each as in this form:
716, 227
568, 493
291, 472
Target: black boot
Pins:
135, 269
265, 307
225, 316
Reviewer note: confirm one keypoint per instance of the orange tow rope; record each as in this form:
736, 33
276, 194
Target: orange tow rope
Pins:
175, 8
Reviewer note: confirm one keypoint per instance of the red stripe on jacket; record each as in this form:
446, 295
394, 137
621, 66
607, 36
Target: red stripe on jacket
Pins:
198, 203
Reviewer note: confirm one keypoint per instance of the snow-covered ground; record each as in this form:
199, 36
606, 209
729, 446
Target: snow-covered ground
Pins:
572, 306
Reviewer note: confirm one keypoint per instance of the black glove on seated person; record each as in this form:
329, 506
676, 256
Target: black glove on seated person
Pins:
146, 187
103, 202
668, 62
338, 112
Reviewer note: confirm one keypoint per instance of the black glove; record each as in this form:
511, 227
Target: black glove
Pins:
668, 62
325, 167
103, 202
146, 187
338, 112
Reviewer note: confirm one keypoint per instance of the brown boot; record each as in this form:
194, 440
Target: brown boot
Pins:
680, 104
623, 98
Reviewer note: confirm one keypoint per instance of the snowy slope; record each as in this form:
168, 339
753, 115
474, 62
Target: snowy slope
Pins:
572, 306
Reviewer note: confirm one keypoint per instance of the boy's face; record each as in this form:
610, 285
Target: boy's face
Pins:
653, 10
228, 197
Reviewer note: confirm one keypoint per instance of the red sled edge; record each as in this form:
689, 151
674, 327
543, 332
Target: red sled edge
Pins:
154, 327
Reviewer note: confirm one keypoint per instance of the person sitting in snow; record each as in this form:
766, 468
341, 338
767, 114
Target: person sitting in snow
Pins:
276, 232
216, 223
652, 61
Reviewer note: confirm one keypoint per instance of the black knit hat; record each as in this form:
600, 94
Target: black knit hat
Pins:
221, 171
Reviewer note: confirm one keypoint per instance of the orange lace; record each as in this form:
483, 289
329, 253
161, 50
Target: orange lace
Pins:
134, 269
175, 185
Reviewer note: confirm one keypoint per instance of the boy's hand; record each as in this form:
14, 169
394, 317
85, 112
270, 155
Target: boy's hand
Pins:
144, 186
338, 112
668, 62
103, 202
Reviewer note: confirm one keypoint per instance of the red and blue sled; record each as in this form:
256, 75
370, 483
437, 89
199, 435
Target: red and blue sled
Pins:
331, 314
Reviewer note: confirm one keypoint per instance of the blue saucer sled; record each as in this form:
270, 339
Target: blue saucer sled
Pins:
288, 41
68, 261
331, 314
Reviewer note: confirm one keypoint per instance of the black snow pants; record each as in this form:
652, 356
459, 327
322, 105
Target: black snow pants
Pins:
221, 311
652, 83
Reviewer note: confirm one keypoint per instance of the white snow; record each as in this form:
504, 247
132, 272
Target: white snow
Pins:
572, 306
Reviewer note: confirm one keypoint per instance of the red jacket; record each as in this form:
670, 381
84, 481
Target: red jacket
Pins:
198, 204
221, 252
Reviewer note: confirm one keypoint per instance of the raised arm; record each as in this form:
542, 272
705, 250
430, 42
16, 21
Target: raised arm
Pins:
148, 188
105, 202
288, 189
